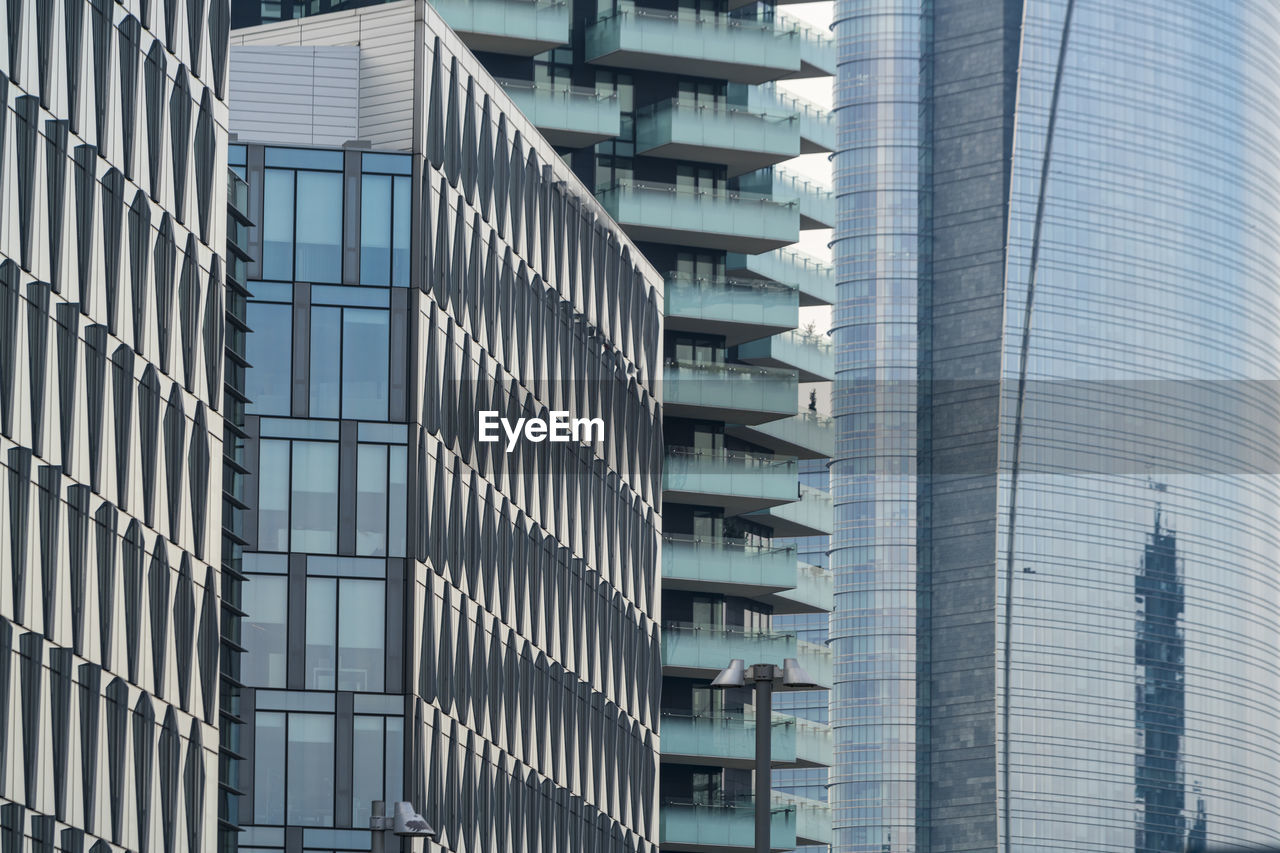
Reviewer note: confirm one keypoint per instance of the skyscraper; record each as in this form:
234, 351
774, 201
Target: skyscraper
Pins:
433, 617
112, 233
1056, 322
670, 113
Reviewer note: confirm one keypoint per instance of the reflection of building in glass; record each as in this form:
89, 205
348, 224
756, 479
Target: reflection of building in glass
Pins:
1055, 214
431, 618
113, 204
1160, 704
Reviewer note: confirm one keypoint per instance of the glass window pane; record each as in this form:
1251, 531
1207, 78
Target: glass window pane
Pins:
322, 620
400, 236
310, 796
365, 345
268, 768
366, 767
375, 229
397, 486
319, 247
326, 347
361, 632
268, 348
314, 520
371, 500
264, 631
277, 225
395, 759
273, 495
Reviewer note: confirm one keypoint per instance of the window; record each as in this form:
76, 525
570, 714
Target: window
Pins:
384, 220
346, 619
350, 361
298, 496
377, 765
293, 768
268, 768
269, 350
264, 632
302, 216
381, 483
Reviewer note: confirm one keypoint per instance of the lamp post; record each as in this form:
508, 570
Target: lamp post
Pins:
766, 677
403, 822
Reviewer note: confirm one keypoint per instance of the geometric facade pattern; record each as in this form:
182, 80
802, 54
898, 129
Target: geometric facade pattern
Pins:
111, 226
431, 617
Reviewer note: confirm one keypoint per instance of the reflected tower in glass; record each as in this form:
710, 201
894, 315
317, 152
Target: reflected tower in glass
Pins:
1056, 612
431, 617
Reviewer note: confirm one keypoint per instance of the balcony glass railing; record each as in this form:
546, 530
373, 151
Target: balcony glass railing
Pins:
742, 138
695, 42
522, 27
807, 430
723, 562
814, 590
729, 737
817, 47
709, 648
813, 278
727, 826
730, 388
712, 217
811, 515
808, 353
813, 818
749, 303
817, 124
566, 112
730, 474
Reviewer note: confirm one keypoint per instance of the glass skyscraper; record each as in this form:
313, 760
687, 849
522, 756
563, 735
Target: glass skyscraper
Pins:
1056, 554
432, 617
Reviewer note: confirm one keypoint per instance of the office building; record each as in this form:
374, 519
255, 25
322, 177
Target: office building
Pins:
433, 617
672, 116
1056, 497
112, 234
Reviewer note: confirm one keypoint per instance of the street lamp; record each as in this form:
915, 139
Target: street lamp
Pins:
767, 678
403, 821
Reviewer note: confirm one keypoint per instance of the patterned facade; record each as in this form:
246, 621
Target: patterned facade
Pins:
431, 617
112, 241
1056, 622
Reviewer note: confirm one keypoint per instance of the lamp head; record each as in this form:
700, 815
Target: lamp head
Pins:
795, 676
408, 822
734, 675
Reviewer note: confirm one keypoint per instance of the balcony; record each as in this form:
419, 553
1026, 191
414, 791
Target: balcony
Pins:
813, 818
816, 660
708, 218
722, 828
739, 309
701, 651
728, 740
811, 515
739, 482
817, 49
811, 355
815, 280
814, 592
815, 202
732, 566
805, 436
569, 116
514, 27
696, 44
741, 393
743, 140
817, 124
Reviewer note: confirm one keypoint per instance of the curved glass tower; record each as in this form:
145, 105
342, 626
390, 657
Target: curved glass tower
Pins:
1056, 490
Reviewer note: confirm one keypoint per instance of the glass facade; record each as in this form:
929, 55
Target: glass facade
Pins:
430, 617
1070, 641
